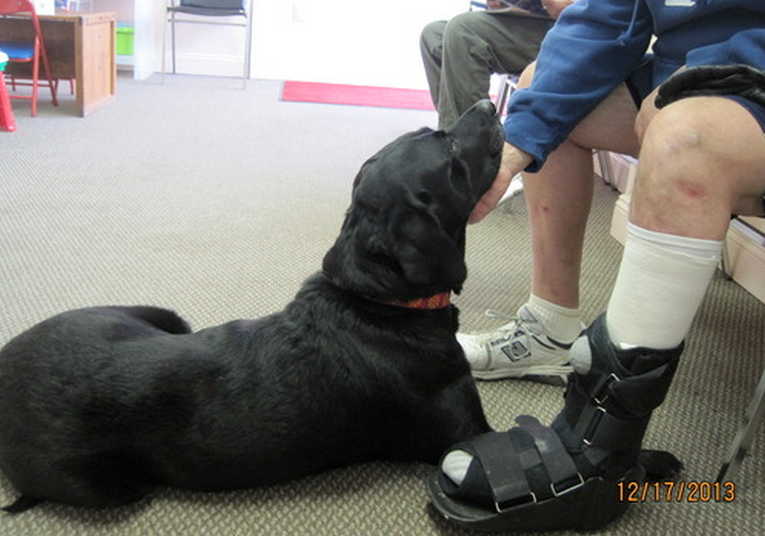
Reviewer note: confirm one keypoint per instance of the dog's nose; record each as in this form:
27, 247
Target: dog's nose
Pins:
478, 117
485, 106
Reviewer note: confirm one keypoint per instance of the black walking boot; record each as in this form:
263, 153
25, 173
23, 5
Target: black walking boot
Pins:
567, 476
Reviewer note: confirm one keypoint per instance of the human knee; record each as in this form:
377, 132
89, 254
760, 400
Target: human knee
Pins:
526, 76
682, 186
461, 32
675, 150
460, 24
432, 36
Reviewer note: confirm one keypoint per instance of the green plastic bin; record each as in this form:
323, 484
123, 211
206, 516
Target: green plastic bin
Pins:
125, 36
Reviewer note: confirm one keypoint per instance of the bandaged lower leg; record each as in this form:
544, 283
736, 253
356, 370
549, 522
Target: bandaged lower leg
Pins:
660, 285
661, 282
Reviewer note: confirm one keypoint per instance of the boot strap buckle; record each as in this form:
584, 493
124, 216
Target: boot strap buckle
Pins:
601, 394
575, 486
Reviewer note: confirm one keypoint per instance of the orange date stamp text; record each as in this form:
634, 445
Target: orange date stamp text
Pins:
670, 491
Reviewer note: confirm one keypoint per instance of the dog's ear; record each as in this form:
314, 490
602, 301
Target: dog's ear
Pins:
428, 256
413, 258
356, 260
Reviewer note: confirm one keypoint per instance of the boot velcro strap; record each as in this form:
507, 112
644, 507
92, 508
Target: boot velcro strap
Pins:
506, 465
560, 468
629, 383
638, 395
598, 428
505, 471
642, 394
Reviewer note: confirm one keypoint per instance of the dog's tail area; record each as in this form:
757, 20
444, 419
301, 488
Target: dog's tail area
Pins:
163, 319
22, 504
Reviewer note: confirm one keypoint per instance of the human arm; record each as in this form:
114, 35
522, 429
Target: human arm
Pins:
569, 88
555, 7
536, 8
591, 50
495, 4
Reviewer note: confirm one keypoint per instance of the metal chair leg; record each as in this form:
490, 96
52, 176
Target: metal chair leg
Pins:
164, 47
172, 39
743, 440
247, 50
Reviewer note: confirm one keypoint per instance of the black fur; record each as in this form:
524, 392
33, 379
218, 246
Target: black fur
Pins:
99, 405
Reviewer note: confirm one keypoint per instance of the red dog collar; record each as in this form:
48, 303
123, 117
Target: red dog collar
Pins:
438, 301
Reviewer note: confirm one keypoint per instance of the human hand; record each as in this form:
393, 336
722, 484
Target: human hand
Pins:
513, 162
555, 7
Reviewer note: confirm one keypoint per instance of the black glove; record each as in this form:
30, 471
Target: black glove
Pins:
709, 80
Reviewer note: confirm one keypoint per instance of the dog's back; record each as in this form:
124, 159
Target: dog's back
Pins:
98, 405
50, 377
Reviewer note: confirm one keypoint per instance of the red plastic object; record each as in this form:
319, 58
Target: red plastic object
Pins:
7, 121
30, 51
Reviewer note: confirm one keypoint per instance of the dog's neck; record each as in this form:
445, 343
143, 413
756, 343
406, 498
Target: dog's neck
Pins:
437, 301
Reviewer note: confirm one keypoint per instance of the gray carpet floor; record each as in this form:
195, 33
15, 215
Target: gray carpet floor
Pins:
218, 202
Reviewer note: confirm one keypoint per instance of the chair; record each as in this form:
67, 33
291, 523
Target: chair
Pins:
756, 410
745, 434
28, 49
203, 10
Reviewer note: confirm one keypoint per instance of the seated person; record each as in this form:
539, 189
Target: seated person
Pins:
694, 114
461, 55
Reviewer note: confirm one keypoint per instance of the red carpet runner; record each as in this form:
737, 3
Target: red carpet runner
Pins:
382, 97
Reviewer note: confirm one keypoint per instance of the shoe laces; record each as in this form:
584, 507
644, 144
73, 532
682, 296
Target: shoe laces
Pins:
520, 319
518, 325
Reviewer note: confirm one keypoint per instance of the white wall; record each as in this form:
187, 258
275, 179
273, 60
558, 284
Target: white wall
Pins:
365, 43
45, 7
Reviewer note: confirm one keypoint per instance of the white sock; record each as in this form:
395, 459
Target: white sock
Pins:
662, 280
560, 323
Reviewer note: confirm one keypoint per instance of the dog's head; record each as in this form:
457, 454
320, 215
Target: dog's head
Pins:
404, 233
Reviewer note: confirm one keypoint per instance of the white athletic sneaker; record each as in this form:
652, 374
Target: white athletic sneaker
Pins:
516, 350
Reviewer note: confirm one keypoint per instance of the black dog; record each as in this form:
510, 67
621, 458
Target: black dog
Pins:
98, 405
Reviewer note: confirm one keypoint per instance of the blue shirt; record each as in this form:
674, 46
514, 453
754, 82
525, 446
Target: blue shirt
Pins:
596, 44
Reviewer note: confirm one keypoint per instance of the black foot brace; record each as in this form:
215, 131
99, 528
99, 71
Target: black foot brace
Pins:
537, 478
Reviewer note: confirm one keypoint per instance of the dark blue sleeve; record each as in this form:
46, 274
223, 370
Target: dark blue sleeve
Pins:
592, 48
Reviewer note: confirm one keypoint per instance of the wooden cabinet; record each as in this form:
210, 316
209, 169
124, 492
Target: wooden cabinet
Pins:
81, 47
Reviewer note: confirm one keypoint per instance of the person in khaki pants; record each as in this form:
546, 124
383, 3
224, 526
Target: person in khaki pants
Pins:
460, 55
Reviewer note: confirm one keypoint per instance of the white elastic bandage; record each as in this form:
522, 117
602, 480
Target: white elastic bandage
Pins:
662, 280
